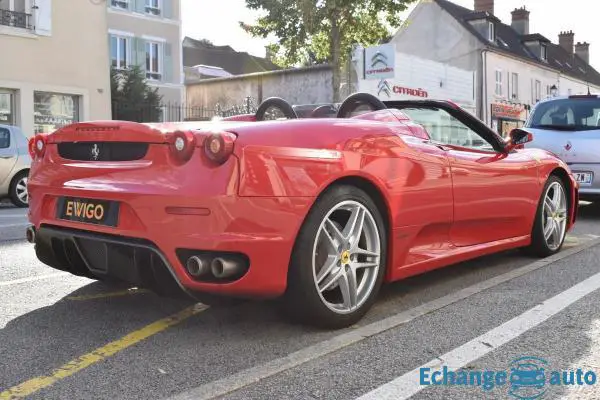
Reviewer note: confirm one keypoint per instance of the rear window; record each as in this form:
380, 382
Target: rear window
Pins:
4, 138
574, 114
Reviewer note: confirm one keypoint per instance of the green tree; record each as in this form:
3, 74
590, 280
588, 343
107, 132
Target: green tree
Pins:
132, 98
316, 31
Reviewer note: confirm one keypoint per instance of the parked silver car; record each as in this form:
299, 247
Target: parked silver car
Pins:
570, 128
14, 165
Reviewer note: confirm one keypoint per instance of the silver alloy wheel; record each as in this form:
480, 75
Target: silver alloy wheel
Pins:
21, 190
554, 216
346, 257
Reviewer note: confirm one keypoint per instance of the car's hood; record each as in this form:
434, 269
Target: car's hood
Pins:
571, 146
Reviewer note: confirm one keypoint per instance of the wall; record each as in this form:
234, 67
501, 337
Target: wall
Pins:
70, 59
424, 79
163, 30
431, 33
301, 86
528, 73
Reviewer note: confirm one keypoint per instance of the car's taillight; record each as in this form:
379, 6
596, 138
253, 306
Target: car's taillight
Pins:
182, 144
39, 145
31, 147
219, 146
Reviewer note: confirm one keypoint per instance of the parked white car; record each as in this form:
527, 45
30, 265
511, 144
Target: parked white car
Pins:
569, 127
14, 165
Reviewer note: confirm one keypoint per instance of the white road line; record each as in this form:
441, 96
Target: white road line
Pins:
255, 374
408, 384
33, 279
21, 224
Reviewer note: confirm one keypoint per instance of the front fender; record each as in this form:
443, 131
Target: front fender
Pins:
550, 164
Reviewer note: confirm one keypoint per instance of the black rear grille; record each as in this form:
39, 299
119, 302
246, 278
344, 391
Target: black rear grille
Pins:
103, 151
110, 257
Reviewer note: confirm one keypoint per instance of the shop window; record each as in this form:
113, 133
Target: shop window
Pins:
7, 108
53, 111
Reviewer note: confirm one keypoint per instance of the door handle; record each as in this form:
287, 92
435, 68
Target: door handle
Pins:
6, 157
438, 145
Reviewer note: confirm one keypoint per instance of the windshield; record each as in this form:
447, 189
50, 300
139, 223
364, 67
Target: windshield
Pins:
573, 114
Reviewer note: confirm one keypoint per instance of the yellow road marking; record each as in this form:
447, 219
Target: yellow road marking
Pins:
126, 292
74, 366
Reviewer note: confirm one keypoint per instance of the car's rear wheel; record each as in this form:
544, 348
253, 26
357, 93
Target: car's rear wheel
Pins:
18, 190
550, 226
339, 260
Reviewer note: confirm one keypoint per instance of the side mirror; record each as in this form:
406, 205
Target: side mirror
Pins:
517, 138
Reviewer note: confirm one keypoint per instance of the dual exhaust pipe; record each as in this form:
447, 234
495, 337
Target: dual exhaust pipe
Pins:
30, 234
220, 267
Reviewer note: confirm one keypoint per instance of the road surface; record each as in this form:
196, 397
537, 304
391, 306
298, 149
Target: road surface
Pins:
63, 337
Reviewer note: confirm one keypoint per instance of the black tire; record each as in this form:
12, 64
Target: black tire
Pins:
302, 301
539, 247
276, 102
355, 100
14, 197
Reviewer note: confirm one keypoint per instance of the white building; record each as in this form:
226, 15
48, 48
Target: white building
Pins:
513, 68
53, 70
390, 75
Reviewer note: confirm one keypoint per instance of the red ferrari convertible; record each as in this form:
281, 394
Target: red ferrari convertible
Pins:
319, 210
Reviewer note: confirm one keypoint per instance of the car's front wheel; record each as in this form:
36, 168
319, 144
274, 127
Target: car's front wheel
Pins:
550, 226
339, 260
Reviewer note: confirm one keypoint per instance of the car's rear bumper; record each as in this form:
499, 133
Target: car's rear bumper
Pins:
150, 247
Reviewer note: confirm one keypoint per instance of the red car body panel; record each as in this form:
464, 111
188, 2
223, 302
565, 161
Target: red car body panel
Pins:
442, 205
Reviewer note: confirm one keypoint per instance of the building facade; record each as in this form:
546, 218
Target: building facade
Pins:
389, 75
148, 33
47, 78
514, 68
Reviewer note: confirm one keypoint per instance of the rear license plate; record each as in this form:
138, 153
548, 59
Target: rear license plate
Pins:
584, 178
98, 212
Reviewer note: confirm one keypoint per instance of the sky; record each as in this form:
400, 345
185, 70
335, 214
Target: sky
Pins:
220, 24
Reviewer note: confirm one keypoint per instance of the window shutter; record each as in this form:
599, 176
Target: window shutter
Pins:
140, 6
110, 49
168, 62
139, 46
43, 18
167, 8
